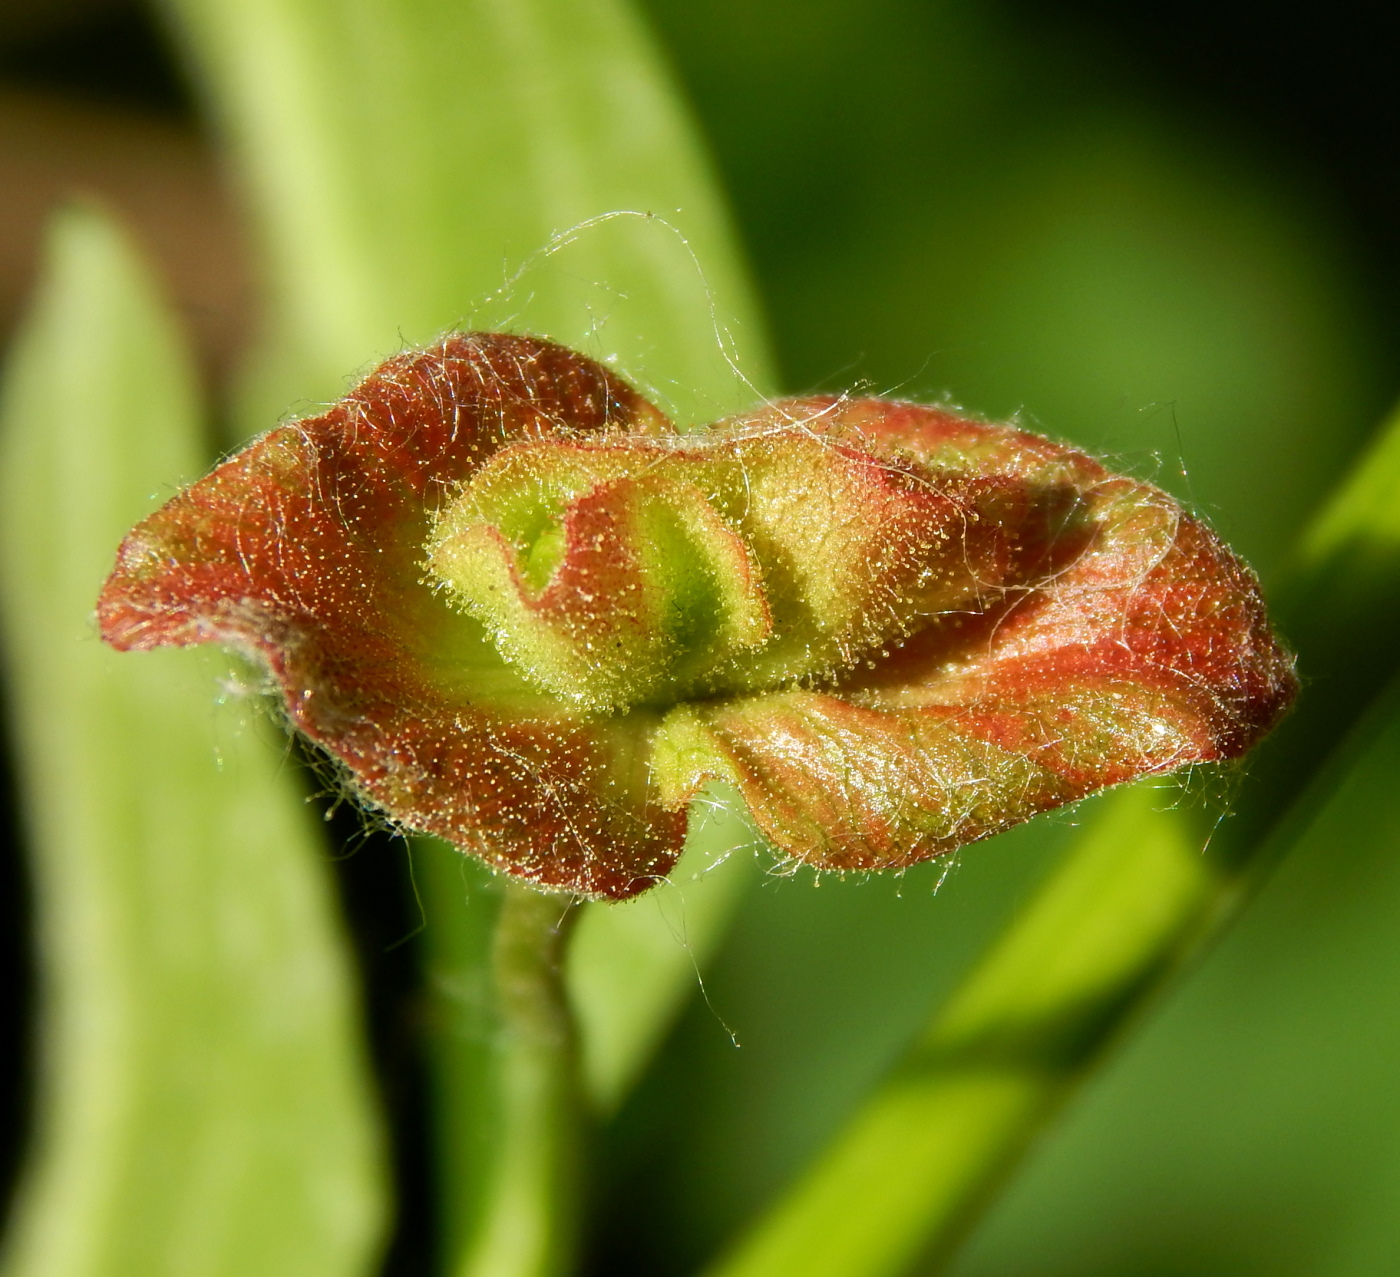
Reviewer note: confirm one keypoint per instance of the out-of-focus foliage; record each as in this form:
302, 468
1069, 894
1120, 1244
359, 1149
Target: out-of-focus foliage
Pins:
948, 199
203, 1102
897, 1184
415, 165
1252, 1128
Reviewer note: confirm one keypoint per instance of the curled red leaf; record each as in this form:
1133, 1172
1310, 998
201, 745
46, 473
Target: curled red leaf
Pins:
530, 617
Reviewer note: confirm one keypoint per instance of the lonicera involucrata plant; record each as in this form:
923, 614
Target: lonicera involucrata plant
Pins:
529, 616
526, 615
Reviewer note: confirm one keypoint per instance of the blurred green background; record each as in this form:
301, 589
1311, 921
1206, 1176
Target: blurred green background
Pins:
1165, 234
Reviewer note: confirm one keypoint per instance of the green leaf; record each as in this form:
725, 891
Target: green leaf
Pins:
1363, 515
1149, 880
203, 1099
920, 1153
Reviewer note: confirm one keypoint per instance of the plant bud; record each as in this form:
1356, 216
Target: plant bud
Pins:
530, 617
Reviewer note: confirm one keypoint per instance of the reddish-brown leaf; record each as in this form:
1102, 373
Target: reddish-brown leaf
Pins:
529, 617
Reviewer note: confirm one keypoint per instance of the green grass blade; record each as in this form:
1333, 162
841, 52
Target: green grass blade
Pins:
203, 1104
967, 1097
1340, 609
1364, 512
1145, 884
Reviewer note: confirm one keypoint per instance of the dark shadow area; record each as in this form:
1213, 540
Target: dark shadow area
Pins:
114, 55
17, 1000
1316, 83
94, 106
372, 872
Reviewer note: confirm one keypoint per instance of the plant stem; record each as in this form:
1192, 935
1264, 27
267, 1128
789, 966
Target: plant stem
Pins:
529, 1211
503, 1052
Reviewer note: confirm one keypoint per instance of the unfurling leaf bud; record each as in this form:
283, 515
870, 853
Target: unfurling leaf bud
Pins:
530, 617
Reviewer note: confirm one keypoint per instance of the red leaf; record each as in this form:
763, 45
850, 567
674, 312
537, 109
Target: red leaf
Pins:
528, 617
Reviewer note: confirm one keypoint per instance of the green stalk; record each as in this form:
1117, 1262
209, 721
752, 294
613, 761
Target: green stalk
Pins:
504, 1059
1152, 878
529, 1211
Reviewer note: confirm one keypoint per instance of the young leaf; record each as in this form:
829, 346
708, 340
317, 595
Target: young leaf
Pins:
203, 1102
893, 630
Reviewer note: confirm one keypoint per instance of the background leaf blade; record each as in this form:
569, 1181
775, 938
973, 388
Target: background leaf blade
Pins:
405, 158
204, 1105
